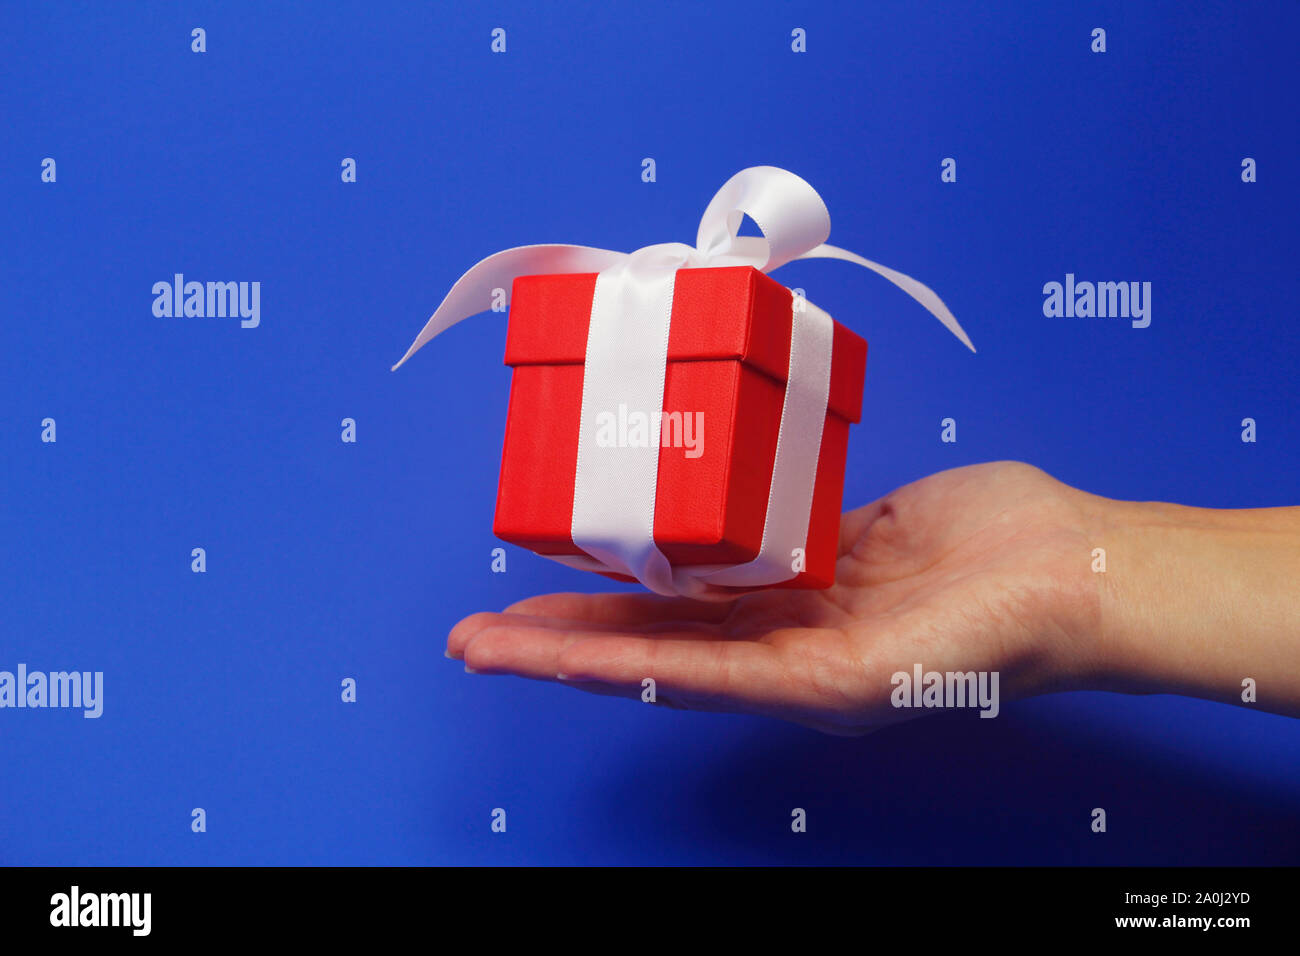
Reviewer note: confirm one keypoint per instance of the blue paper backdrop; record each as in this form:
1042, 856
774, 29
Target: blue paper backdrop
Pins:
328, 560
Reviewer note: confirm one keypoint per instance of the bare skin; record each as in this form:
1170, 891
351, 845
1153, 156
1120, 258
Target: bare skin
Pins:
984, 568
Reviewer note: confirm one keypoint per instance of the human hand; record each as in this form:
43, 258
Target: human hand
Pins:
984, 568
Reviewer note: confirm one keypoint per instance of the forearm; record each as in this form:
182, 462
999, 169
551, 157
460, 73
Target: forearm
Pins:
1195, 601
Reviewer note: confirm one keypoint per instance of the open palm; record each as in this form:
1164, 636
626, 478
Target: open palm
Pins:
981, 568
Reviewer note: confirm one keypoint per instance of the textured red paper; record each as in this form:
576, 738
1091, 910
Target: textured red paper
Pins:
728, 355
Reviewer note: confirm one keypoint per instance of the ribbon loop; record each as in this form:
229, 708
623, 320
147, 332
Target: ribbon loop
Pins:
788, 211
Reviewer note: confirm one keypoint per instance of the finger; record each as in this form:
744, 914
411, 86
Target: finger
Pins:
628, 693
468, 628
535, 653
603, 690
854, 524
819, 724
524, 651
718, 675
690, 672
619, 610
530, 650
816, 722
678, 703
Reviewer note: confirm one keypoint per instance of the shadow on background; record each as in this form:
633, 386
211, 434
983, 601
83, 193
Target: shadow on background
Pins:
1019, 790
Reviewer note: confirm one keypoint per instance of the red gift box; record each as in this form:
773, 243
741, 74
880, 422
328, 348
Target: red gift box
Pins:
690, 335
728, 358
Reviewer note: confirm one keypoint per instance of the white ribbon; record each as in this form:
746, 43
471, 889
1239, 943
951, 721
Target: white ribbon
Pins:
626, 361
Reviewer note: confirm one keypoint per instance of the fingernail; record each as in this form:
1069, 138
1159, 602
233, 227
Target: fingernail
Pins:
470, 670
563, 677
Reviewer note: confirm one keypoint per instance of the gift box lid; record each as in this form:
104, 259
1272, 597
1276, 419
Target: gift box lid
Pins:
719, 313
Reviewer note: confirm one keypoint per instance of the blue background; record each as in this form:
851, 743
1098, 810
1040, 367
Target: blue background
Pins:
328, 560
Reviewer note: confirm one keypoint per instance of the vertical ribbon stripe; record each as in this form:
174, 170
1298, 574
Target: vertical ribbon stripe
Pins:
625, 367
798, 450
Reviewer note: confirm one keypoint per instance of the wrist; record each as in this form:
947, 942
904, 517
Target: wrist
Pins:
1195, 601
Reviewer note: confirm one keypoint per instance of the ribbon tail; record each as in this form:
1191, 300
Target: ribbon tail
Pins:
919, 291
472, 292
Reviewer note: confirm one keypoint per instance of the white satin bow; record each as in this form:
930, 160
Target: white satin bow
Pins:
792, 217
